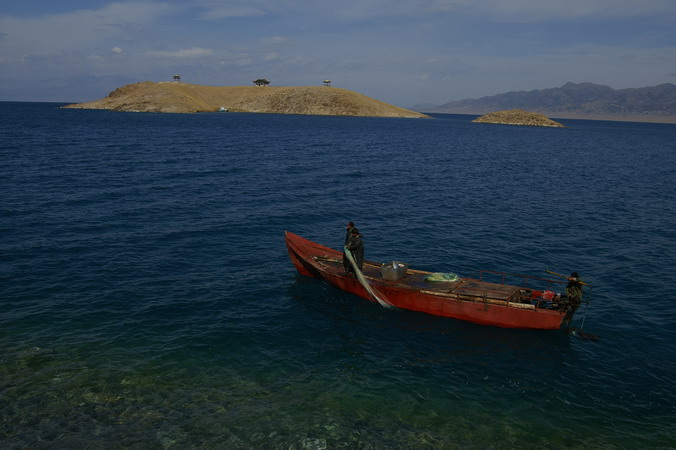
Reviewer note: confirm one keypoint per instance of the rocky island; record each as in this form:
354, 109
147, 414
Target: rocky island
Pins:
173, 97
518, 117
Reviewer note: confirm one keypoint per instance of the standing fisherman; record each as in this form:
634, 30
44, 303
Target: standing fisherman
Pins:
348, 235
356, 246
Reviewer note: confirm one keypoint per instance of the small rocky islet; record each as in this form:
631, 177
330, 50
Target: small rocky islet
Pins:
518, 117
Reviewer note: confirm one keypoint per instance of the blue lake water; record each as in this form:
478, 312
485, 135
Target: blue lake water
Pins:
147, 299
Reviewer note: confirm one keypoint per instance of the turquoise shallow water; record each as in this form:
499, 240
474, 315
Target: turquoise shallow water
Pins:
148, 300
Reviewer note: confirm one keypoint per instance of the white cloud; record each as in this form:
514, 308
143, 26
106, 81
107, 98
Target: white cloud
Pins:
498, 10
385, 48
183, 53
275, 40
218, 9
79, 29
243, 62
538, 10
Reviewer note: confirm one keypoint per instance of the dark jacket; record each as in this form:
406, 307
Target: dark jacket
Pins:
356, 245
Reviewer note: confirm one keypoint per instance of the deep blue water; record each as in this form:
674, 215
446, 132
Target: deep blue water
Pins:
148, 300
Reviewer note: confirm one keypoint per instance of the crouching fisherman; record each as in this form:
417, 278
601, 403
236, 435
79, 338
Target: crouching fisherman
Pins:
573, 296
574, 290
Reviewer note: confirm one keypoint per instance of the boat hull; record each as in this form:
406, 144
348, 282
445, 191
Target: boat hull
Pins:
468, 299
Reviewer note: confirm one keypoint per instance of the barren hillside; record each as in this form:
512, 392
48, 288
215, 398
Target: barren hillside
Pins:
186, 98
518, 117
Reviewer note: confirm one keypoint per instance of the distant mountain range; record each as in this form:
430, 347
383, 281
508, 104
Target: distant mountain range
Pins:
574, 100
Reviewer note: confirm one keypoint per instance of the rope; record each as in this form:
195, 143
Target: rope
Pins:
364, 282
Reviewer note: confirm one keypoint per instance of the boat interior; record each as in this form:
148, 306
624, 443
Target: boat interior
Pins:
499, 290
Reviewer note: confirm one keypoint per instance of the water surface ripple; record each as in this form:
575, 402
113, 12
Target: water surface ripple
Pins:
148, 300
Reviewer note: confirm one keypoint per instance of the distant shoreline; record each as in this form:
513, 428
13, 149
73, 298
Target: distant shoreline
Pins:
587, 101
599, 117
610, 118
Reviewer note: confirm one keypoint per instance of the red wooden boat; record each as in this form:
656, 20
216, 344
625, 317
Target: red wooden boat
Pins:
519, 305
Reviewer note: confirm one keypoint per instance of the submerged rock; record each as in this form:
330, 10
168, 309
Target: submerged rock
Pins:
518, 117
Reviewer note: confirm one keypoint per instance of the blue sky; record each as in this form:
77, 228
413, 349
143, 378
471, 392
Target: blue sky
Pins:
402, 52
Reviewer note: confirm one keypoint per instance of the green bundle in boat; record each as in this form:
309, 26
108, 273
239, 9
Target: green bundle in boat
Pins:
442, 276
